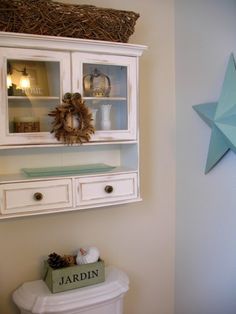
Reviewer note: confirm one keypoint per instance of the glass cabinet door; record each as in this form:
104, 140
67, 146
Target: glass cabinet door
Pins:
108, 87
33, 86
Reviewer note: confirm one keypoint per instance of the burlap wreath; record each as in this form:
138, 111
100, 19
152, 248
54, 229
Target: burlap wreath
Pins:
73, 107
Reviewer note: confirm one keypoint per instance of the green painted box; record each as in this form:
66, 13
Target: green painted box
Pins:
73, 277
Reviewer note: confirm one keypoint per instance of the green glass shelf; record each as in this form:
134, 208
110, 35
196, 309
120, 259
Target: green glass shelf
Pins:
67, 170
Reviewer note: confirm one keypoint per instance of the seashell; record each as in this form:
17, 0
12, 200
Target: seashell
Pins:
88, 255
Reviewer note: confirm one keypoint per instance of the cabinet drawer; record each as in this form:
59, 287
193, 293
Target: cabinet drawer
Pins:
105, 189
36, 195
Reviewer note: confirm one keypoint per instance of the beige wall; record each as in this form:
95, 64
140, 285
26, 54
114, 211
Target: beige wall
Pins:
137, 238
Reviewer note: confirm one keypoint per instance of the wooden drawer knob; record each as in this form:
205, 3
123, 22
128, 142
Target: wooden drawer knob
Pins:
108, 189
38, 196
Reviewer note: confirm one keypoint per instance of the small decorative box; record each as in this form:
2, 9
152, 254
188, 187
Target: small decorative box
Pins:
26, 125
73, 277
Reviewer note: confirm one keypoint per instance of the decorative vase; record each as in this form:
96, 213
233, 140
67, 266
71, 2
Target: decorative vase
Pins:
105, 117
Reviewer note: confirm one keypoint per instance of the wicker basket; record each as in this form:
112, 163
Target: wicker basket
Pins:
45, 17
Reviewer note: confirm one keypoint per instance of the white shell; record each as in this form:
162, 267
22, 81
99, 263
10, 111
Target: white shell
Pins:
88, 255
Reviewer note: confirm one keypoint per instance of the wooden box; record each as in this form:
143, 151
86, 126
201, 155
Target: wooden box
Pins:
27, 127
73, 277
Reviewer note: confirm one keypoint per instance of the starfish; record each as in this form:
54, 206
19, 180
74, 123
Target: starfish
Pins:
221, 118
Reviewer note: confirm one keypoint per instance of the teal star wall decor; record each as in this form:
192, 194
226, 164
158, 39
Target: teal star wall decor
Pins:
221, 118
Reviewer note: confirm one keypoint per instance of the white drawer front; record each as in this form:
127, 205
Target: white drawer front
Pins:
105, 189
36, 195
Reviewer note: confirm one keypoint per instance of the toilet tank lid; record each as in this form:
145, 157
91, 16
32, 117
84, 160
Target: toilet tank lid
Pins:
34, 296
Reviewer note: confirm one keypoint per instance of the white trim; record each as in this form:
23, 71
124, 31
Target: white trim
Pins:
8, 39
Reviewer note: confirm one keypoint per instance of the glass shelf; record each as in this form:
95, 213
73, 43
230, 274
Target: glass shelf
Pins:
104, 98
33, 97
67, 170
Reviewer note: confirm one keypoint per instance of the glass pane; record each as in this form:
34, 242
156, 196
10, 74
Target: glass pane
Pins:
33, 89
105, 92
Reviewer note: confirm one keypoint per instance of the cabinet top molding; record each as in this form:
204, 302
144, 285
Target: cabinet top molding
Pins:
19, 40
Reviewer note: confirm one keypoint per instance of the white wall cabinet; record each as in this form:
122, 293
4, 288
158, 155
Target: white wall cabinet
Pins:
106, 75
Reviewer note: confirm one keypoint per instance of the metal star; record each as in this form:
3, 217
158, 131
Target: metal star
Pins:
221, 118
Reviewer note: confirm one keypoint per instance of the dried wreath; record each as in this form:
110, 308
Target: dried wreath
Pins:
72, 111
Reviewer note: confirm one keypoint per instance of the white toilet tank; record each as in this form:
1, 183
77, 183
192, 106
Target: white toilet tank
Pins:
104, 298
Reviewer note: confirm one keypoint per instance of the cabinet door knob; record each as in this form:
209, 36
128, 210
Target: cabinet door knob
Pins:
38, 196
108, 189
